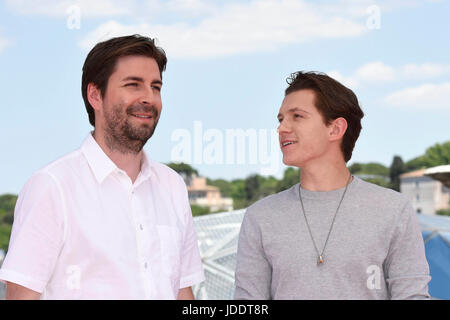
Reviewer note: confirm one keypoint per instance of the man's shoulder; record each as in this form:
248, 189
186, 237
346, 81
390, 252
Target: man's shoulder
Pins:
60, 166
384, 203
374, 192
49, 177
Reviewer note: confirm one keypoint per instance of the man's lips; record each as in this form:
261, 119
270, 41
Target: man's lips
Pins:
142, 116
286, 143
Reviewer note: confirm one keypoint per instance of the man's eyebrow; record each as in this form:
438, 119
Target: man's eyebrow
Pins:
297, 109
294, 109
134, 78
139, 79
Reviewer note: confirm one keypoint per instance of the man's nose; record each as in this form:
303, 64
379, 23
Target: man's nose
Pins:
148, 96
283, 127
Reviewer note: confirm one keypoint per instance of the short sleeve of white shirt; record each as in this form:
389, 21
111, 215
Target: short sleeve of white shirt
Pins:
37, 234
191, 270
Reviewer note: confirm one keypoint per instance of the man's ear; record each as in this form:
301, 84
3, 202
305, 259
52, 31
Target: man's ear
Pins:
94, 96
338, 128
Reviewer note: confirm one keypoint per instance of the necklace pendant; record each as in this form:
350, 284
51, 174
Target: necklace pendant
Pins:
320, 260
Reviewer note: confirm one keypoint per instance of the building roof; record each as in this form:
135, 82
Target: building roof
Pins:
441, 173
413, 174
199, 184
205, 188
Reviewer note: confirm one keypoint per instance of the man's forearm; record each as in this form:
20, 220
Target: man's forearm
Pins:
18, 292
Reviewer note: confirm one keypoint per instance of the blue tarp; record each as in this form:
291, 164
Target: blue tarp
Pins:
436, 235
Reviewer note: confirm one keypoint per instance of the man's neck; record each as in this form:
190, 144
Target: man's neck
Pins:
128, 162
324, 176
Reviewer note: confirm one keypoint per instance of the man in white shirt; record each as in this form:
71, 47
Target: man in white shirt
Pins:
105, 221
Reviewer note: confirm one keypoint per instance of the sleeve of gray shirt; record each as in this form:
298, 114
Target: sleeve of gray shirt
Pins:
406, 267
253, 272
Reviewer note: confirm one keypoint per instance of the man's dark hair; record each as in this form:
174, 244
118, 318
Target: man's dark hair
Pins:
101, 61
332, 100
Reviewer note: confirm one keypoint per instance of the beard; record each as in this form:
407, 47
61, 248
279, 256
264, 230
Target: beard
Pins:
124, 136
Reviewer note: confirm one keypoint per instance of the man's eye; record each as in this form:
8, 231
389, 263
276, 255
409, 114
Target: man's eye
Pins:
132, 84
298, 116
157, 88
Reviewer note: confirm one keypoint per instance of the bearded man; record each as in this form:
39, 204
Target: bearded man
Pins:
106, 221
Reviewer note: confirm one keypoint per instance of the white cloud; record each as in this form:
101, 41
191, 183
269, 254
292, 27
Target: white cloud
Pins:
236, 28
349, 82
425, 70
370, 73
375, 72
426, 96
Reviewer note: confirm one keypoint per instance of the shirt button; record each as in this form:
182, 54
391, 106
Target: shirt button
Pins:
141, 227
145, 265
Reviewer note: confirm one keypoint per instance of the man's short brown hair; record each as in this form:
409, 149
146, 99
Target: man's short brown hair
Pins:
102, 59
332, 100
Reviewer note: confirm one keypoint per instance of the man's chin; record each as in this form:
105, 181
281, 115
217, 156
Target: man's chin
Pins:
141, 133
291, 162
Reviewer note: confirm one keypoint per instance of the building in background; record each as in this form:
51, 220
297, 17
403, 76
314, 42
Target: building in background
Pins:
426, 194
201, 194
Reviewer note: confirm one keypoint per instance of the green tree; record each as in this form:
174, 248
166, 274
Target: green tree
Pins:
436, 155
355, 168
268, 186
291, 176
238, 194
377, 169
226, 187
5, 233
439, 154
396, 169
182, 168
252, 184
7, 205
199, 210
443, 212
370, 168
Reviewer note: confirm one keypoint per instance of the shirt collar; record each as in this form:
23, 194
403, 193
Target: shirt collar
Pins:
146, 166
102, 166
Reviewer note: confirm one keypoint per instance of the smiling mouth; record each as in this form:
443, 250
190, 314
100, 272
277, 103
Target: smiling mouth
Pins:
287, 143
142, 116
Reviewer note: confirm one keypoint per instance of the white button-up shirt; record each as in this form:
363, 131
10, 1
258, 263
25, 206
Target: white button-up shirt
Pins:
83, 230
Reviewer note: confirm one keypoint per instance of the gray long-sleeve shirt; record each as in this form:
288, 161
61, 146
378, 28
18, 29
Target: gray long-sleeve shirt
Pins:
375, 249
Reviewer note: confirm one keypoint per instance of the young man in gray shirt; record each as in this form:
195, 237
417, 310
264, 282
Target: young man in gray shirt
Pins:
333, 235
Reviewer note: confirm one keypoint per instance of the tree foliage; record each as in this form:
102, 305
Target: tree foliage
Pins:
436, 155
396, 169
443, 212
182, 168
199, 210
7, 205
371, 168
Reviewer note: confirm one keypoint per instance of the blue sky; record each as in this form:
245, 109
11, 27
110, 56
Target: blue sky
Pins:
227, 65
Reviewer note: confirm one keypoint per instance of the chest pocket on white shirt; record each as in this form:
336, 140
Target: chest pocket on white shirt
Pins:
170, 246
